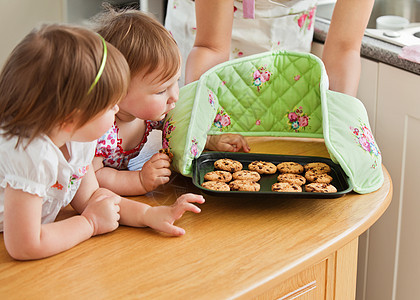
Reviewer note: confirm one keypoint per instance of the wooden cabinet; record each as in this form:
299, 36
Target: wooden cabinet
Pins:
332, 278
393, 267
389, 265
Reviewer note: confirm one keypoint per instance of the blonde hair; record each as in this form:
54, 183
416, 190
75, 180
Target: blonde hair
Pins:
46, 79
145, 43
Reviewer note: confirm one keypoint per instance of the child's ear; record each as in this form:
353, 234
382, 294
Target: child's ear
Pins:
69, 125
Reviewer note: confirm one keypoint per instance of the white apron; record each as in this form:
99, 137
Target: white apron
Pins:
273, 27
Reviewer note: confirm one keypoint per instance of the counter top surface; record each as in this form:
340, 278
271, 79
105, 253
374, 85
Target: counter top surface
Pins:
234, 248
373, 49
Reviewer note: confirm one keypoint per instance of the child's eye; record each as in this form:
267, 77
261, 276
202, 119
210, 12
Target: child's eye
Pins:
162, 92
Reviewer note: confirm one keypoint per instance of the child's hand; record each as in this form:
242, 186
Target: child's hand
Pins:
155, 171
162, 218
103, 214
227, 142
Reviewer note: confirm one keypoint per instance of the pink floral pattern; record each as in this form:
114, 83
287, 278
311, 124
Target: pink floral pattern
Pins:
78, 176
298, 120
194, 147
109, 146
306, 19
222, 120
364, 138
166, 134
260, 76
237, 53
211, 99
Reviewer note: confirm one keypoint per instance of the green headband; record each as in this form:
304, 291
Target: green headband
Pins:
101, 68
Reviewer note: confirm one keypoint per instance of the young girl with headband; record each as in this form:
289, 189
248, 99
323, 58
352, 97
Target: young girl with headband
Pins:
155, 66
59, 91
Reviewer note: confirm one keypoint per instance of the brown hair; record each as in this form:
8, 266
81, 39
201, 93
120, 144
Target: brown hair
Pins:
46, 80
145, 43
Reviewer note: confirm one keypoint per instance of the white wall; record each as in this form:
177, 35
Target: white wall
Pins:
18, 17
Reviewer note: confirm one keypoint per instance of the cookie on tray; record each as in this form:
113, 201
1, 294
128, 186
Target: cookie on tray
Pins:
318, 167
314, 176
222, 176
290, 167
286, 187
216, 186
291, 178
262, 167
246, 175
317, 187
227, 164
244, 185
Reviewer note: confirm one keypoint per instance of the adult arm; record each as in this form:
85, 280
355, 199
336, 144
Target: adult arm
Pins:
341, 53
212, 42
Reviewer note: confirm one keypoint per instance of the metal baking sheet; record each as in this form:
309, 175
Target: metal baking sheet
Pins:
205, 164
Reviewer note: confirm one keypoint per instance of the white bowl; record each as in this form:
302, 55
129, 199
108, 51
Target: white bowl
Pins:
391, 22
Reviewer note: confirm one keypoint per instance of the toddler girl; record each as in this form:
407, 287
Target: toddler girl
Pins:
155, 65
59, 91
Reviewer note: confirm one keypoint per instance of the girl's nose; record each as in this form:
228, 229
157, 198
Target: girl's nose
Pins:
174, 95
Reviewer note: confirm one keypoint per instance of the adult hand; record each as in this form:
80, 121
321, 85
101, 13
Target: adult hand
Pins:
227, 142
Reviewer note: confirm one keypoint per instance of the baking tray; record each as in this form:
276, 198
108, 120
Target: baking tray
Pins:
205, 164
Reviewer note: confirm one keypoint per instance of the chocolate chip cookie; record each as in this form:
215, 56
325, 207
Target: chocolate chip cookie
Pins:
166, 151
318, 167
262, 167
246, 175
222, 176
314, 176
290, 167
286, 187
291, 178
317, 187
215, 186
227, 164
244, 185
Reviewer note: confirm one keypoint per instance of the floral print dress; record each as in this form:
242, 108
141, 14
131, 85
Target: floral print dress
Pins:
109, 146
272, 27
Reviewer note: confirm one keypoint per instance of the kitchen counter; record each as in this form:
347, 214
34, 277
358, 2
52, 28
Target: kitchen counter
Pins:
372, 48
235, 248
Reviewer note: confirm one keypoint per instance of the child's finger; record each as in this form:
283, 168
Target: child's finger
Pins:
159, 156
193, 198
161, 180
160, 164
172, 229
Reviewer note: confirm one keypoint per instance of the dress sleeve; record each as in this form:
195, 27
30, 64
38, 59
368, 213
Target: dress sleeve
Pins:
32, 169
107, 143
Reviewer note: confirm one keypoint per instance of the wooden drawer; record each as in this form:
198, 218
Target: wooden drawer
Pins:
308, 284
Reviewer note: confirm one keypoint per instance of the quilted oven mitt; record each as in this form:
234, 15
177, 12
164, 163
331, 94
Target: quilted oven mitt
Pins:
350, 142
262, 95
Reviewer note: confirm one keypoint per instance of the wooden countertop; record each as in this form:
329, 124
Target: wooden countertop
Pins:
232, 247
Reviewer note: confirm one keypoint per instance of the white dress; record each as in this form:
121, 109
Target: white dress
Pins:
42, 170
273, 27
